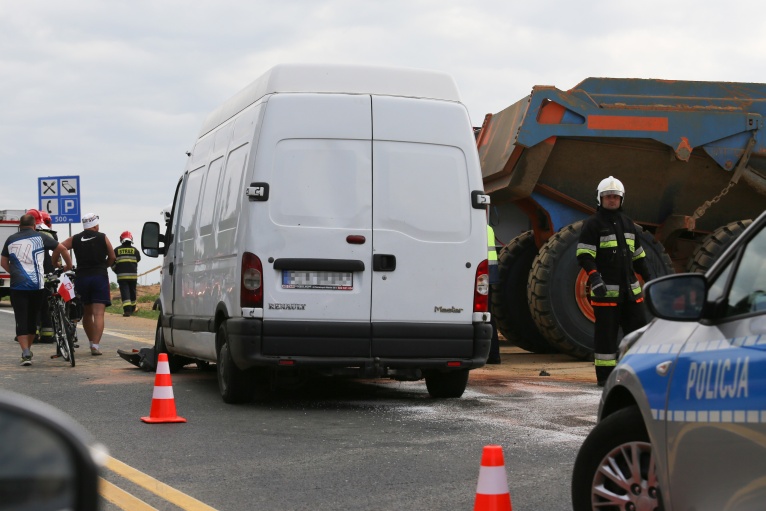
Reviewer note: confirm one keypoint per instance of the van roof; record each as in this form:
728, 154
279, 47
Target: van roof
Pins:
337, 78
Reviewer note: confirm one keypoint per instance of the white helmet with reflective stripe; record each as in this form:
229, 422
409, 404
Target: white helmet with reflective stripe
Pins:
610, 186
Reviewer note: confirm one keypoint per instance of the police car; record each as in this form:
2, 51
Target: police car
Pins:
682, 420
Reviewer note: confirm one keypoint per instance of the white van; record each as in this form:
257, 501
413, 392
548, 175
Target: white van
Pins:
329, 218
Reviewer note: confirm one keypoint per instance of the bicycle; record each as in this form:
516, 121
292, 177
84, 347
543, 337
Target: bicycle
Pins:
64, 329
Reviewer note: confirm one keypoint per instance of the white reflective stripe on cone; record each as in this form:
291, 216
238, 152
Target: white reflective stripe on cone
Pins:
162, 393
163, 368
492, 481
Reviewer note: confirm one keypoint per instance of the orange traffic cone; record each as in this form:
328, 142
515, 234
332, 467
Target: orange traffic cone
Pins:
163, 402
492, 490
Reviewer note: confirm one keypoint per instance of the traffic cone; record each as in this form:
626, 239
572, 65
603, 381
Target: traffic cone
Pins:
163, 402
492, 490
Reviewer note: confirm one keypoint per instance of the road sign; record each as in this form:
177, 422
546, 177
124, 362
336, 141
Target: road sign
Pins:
60, 197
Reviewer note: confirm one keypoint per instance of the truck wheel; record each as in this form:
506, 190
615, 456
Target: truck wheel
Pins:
509, 297
446, 384
175, 363
234, 384
558, 290
714, 245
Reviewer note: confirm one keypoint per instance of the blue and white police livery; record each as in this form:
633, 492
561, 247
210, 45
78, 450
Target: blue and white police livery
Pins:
682, 420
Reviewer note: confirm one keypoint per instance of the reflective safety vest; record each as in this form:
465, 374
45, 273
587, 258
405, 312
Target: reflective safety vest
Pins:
126, 263
494, 269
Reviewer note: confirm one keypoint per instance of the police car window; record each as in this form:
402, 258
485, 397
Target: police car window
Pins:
748, 289
719, 285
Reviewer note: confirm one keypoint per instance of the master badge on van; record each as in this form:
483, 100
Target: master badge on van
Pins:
453, 310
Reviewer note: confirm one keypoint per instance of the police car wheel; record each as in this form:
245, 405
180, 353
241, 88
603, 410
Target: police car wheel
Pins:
235, 385
615, 467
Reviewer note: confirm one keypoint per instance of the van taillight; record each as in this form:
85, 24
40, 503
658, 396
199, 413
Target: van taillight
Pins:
481, 291
251, 291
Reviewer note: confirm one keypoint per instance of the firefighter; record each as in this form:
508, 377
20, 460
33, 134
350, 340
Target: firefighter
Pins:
494, 278
126, 268
45, 324
610, 252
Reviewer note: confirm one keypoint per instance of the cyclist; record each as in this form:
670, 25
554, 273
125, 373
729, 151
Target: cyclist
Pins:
94, 254
45, 328
22, 257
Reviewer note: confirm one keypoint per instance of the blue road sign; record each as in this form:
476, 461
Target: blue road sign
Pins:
60, 197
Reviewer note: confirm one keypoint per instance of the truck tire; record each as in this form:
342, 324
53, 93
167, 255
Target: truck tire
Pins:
557, 290
714, 245
510, 306
234, 384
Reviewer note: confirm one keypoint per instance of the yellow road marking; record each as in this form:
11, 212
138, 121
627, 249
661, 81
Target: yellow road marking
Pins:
160, 489
121, 498
129, 337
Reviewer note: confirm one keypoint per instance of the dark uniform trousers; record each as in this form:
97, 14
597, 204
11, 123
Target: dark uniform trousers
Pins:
629, 315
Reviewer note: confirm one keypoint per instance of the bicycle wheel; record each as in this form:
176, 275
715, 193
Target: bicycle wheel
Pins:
69, 333
62, 343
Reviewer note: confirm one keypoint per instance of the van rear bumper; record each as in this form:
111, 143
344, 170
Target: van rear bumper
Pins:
254, 343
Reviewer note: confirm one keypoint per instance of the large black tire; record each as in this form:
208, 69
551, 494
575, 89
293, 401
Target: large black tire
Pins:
557, 293
448, 384
510, 306
603, 470
175, 363
714, 245
235, 385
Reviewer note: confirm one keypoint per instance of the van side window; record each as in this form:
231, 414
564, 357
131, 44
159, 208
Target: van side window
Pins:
207, 204
173, 211
186, 224
229, 197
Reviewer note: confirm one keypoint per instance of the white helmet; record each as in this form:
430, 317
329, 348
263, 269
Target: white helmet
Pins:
610, 186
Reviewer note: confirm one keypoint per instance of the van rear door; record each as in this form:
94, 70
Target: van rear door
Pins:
427, 236
314, 233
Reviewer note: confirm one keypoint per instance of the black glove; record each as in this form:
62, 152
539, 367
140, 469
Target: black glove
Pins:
647, 277
597, 286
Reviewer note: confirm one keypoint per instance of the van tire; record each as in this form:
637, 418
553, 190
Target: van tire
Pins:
175, 363
449, 384
509, 297
234, 384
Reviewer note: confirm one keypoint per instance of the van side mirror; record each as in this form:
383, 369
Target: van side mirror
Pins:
48, 460
151, 239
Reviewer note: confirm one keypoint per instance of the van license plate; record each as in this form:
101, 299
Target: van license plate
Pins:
336, 280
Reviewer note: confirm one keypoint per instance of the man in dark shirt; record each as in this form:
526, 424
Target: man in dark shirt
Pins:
94, 254
22, 257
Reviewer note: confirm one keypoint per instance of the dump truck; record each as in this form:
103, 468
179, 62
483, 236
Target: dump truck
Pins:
692, 156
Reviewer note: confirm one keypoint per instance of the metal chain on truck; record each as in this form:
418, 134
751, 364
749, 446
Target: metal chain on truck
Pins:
734, 180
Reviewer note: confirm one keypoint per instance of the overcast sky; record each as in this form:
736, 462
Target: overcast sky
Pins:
116, 91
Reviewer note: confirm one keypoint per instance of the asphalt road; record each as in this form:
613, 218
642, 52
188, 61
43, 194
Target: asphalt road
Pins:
335, 444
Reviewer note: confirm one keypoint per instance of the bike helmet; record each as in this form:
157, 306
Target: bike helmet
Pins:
37, 216
47, 220
610, 186
126, 236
